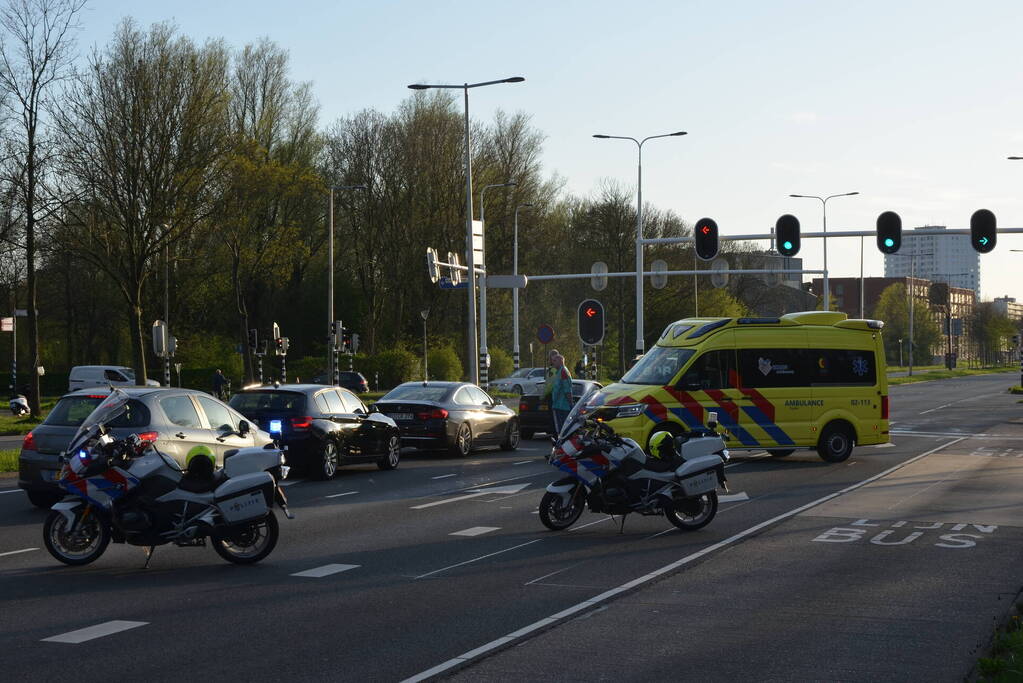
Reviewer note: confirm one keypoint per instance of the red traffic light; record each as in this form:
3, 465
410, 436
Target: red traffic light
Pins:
706, 238
590, 312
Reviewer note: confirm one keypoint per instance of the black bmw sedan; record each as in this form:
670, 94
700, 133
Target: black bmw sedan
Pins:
457, 416
323, 427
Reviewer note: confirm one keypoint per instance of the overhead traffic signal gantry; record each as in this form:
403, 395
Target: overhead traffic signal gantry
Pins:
705, 237
591, 322
983, 230
786, 234
889, 232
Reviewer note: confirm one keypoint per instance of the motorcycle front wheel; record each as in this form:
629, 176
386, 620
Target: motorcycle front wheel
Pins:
557, 516
248, 543
78, 546
690, 514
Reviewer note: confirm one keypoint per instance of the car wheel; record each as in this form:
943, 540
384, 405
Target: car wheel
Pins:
781, 452
328, 461
511, 436
836, 443
463, 441
44, 499
517, 389
390, 461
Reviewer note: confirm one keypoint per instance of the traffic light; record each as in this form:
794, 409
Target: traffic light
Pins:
284, 346
889, 232
983, 230
279, 346
786, 235
591, 322
705, 236
253, 339
355, 342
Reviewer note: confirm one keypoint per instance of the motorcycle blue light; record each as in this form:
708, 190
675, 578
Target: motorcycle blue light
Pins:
275, 426
83, 454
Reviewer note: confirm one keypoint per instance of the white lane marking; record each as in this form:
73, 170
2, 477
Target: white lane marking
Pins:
476, 559
107, 628
292, 482
346, 493
885, 445
938, 408
326, 570
607, 595
15, 552
444, 476
475, 531
11, 491
524, 462
547, 576
733, 497
474, 493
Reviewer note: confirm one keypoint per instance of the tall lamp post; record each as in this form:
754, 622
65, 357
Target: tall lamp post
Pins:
515, 291
425, 313
640, 343
484, 351
470, 259
331, 355
824, 209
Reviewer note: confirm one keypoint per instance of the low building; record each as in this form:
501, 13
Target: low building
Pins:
1007, 306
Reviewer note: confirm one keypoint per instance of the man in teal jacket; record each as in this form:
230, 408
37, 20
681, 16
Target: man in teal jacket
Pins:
560, 386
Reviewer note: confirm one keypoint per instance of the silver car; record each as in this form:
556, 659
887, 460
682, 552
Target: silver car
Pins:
175, 420
522, 381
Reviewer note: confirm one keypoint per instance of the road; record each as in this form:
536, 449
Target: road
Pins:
894, 564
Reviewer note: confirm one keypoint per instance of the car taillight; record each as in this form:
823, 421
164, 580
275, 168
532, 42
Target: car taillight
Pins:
435, 414
884, 407
151, 437
523, 407
29, 444
301, 422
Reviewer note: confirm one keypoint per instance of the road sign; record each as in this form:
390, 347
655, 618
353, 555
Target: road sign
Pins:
659, 278
504, 281
457, 276
717, 279
6, 324
591, 321
160, 339
446, 283
545, 334
477, 243
20, 312
599, 279
432, 269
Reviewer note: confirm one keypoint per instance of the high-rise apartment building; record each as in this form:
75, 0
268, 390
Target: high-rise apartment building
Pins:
939, 258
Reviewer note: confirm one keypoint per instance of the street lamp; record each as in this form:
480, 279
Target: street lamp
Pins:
515, 291
425, 313
640, 343
824, 209
484, 351
474, 369
331, 359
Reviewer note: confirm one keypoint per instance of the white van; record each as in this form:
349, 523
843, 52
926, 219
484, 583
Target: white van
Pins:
87, 376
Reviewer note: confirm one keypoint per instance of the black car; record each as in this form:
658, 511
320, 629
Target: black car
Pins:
455, 415
535, 415
323, 427
353, 381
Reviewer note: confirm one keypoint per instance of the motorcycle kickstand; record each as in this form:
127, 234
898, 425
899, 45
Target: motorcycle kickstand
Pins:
149, 555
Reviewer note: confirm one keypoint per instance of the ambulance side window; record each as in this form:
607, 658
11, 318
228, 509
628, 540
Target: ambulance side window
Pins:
842, 366
772, 368
712, 370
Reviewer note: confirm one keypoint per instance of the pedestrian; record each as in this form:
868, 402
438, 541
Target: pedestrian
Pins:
548, 376
219, 383
561, 392
580, 368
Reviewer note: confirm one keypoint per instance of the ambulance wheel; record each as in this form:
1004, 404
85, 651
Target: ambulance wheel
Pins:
781, 452
836, 442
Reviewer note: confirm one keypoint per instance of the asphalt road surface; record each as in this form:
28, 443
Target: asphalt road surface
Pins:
894, 565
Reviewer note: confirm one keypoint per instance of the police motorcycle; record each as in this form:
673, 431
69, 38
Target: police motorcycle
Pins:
18, 405
612, 475
127, 491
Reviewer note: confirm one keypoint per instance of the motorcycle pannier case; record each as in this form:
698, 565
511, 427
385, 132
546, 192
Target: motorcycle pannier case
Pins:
246, 497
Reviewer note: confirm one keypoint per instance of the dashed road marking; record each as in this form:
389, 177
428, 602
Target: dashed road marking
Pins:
107, 628
11, 491
292, 482
326, 570
475, 493
444, 476
475, 531
16, 552
524, 462
733, 497
476, 559
338, 495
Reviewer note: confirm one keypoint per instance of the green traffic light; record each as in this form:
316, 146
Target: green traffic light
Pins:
889, 242
786, 245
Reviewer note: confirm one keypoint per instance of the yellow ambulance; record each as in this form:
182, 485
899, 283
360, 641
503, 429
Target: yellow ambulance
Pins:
804, 380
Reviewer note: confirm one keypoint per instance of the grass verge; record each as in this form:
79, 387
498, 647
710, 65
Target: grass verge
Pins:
9, 460
1005, 663
948, 374
16, 426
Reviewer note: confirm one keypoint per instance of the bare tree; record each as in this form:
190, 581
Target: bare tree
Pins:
37, 54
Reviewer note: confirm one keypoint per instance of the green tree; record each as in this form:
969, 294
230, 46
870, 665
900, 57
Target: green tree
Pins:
893, 309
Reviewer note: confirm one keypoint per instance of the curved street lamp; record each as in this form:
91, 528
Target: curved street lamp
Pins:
824, 209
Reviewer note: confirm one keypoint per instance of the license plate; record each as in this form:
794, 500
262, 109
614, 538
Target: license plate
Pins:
401, 416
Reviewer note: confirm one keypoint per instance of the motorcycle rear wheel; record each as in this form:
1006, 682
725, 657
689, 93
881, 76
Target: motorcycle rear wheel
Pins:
250, 543
557, 516
705, 508
82, 545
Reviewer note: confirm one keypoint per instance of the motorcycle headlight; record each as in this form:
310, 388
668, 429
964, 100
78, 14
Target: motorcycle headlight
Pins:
630, 410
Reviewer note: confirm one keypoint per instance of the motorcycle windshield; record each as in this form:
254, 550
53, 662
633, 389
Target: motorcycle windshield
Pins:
576, 417
112, 407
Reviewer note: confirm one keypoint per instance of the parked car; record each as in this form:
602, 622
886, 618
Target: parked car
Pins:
522, 381
175, 420
88, 376
535, 415
353, 381
323, 427
454, 415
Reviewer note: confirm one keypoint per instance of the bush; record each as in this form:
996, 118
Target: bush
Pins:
394, 367
444, 364
500, 363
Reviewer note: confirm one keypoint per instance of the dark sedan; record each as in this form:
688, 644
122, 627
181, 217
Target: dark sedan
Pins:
457, 416
323, 427
535, 415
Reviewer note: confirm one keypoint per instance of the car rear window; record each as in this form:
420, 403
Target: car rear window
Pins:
71, 411
280, 401
416, 393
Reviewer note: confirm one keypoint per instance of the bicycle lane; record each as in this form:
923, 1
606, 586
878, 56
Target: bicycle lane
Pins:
903, 578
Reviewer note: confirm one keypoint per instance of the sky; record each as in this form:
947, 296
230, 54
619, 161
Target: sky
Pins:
915, 105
